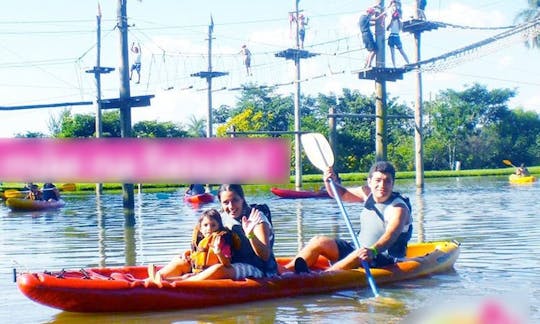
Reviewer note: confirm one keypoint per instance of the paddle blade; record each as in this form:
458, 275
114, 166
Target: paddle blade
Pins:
13, 193
509, 163
318, 150
68, 187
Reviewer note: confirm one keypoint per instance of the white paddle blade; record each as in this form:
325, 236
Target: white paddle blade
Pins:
318, 150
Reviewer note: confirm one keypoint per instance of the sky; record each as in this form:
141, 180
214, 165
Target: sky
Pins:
46, 47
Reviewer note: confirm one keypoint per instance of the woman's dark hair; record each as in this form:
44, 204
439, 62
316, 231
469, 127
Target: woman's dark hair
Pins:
237, 189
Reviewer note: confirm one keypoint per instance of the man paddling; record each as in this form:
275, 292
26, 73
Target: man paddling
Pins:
386, 225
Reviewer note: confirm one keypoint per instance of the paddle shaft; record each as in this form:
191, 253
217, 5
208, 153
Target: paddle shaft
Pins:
369, 277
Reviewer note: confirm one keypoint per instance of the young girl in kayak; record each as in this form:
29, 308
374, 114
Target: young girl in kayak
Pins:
211, 245
252, 223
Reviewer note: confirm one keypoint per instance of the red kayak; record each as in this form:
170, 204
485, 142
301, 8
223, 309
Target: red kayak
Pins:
295, 194
203, 198
123, 289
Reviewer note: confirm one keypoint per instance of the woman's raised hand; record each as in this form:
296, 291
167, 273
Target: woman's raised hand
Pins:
248, 224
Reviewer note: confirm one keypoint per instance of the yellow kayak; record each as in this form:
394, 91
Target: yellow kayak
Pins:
514, 178
18, 204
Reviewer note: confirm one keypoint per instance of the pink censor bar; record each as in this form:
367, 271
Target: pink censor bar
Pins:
135, 160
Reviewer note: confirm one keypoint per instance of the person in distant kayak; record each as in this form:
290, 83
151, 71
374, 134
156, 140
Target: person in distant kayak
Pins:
522, 171
211, 245
385, 222
33, 192
195, 189
50, 192
252, 223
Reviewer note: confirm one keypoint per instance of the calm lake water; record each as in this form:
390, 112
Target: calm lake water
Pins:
495, 222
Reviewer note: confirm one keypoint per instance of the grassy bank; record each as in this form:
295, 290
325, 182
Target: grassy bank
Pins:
311, 181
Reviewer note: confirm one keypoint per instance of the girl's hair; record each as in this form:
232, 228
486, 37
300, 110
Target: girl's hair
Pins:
197, 235
237, 189
211, 214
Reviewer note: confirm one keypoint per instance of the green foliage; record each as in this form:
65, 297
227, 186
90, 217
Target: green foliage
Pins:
155, 129
30, 135
473, 126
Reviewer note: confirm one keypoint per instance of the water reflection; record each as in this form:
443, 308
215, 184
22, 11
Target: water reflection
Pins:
101, 232
418, 213
299, 225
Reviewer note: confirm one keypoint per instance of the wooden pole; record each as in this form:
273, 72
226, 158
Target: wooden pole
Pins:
99, 186
297, 122
380, 92
125, 97
209, 79
418, 127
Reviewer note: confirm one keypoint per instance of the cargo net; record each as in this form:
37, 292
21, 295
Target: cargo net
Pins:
525, 33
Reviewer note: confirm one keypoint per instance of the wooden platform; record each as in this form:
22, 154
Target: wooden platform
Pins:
293, 53
382, 73
414, 26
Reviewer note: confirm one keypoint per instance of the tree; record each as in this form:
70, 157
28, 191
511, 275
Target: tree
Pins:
530, 14
155, 129
269, 112
457, 119
196, 127
30, 135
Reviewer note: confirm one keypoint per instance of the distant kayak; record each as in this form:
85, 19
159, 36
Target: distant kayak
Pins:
296, 194
19, 204
203, 198
514, 178
122, 289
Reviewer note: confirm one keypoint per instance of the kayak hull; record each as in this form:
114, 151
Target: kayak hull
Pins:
203, 198
18, 204
514, 178
298, 194
92, 290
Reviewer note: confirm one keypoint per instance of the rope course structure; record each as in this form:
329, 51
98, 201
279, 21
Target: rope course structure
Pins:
478, 49
514, 33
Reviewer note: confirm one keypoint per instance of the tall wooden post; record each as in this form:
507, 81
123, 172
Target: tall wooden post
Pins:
125, 96
332, 129
99, 186
297, 121
418, 127
209, 79
380, 92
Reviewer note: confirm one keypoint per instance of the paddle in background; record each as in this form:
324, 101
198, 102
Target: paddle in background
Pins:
509, 163
320, 154
14, 193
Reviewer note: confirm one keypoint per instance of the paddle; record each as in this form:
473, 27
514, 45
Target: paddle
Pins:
14, 193
509, 163
320, 154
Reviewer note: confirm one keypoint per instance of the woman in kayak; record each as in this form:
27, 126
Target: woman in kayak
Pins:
252, 223
211, 244
386, 225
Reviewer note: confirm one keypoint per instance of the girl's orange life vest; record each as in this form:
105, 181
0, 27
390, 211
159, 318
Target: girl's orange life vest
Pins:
202, 251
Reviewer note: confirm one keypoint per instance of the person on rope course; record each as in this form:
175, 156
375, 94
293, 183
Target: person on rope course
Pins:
247, 59
394, 40
365, 22
136, 66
